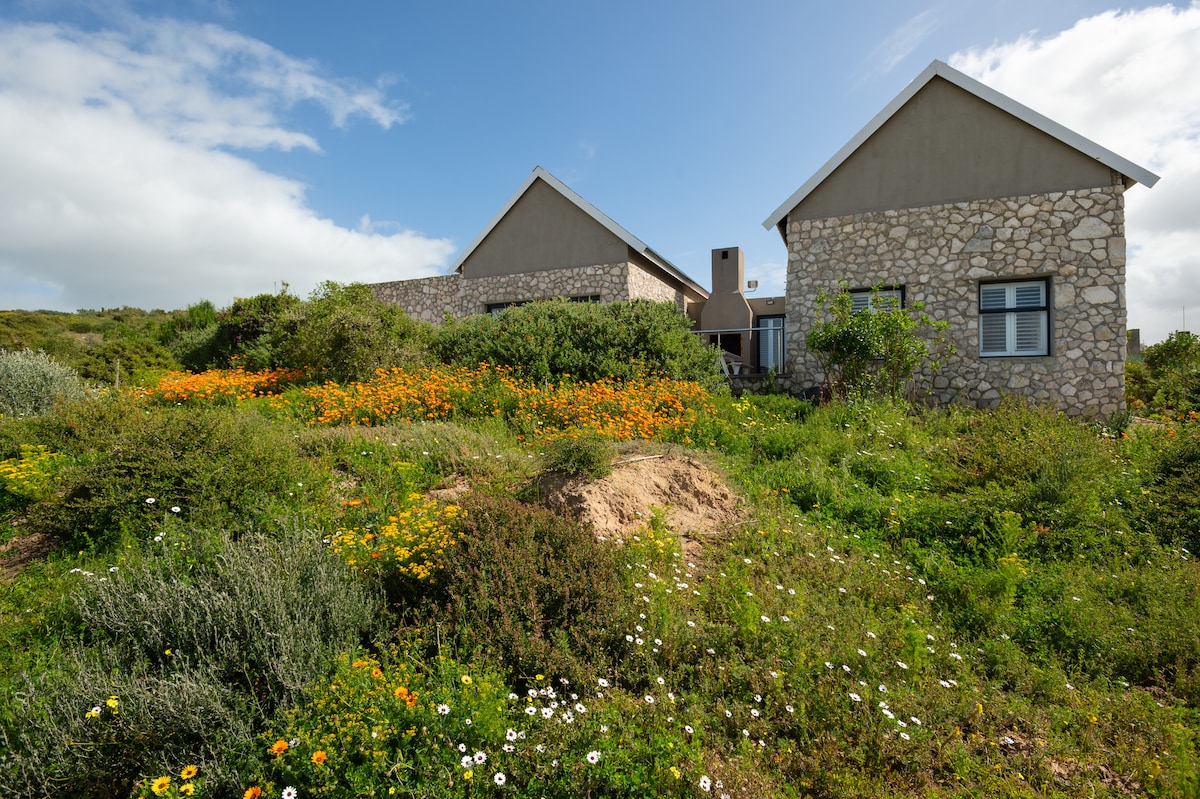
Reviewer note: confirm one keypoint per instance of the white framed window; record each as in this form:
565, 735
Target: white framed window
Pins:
1014, 318
872, 299
770, 343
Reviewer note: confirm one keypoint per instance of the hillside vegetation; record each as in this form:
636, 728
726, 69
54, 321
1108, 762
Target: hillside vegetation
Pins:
316, 578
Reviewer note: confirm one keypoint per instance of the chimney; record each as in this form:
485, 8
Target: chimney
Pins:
726, 308
728, 271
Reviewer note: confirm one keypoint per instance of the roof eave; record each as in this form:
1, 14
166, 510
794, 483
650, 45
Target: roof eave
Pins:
630, 240
1125, 167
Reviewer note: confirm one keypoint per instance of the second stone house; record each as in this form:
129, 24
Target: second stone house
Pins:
999, 220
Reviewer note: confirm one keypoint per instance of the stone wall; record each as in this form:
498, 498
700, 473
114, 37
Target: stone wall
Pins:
942, 253
430, 299
643, 285
609, 281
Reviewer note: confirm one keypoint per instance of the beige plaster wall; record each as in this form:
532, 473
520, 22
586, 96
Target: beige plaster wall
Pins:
947, 145
543, 231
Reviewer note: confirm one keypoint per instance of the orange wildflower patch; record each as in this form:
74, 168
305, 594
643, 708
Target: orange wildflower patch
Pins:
235, 384
647, 408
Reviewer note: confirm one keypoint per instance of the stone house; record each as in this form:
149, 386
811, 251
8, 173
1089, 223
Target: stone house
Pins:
1002, 222
546, 242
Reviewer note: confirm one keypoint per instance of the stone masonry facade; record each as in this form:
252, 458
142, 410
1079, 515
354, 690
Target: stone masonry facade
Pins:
1074, 240
431, 299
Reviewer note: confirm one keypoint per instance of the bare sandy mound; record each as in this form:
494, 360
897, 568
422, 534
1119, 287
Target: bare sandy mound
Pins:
19, 552
695, 497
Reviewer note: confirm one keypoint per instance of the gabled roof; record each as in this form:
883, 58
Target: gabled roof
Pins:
945, 71
634, 243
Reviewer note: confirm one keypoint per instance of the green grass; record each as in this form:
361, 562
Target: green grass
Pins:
949, 603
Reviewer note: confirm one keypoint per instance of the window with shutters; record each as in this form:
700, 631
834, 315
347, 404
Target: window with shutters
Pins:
1014, 318
872, 299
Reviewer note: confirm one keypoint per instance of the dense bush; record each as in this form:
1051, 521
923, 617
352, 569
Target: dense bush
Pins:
1168, 379
877, 351
1169, 508
135, 466
345, 333
586, 455
32, 382
183, 661
129, 357
588, 341
528, 589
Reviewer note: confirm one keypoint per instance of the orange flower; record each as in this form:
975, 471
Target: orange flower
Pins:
279, 747
318, 756
252, 792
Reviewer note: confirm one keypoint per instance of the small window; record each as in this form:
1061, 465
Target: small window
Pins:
872, 299
1014, 319
586, 298
497, 307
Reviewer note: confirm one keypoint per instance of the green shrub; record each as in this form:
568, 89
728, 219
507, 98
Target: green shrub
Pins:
586, 455
135, 466
345, 333
1169, 507
100, 363
243, 328
874, 352
197, 651
1169, 378
529, 589
588, 341
32, 382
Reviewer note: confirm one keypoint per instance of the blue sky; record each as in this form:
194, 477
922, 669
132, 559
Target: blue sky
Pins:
155, 154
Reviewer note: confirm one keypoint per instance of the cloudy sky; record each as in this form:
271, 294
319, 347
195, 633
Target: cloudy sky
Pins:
155, 154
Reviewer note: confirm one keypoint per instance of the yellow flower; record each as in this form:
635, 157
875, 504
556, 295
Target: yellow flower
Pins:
466, 679
112, 702
160, 785
188, 772
318, 756
468, 774
187, 789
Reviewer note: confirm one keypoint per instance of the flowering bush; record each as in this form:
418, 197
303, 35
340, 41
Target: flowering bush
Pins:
390, 725
186, 783
411, 544
31, 476
235, 384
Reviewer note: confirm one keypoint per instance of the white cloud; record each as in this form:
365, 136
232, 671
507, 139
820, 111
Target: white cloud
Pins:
1126, 80
120, 187
884, 57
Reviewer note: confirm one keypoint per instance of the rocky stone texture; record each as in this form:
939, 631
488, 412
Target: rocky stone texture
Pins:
645, 286
430, 299
942, 253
